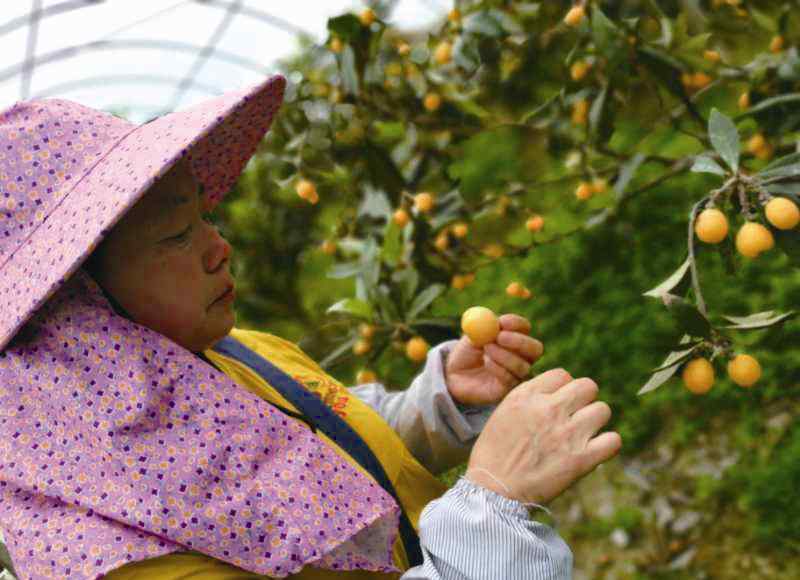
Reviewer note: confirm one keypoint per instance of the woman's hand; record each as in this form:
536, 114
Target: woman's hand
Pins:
484, 376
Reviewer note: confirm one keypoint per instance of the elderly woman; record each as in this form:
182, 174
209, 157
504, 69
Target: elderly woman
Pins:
144, 436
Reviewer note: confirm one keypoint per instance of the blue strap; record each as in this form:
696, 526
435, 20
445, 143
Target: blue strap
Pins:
331, 424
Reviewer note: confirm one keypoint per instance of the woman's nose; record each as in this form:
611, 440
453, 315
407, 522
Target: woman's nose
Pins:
219, 251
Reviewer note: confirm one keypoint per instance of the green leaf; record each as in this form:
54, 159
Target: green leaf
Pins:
388, 308
769, 103
668, 369
627, 172
408, 280
332, 357
672, 282
347, 27
348, 68
345, 269
392, 243
704, 164
759, 320
483, 23
352, 307
687, 316
601, 119
424, 299
789, 243
725, 138
531, 115
665, 68
375, 204
677, 357
604, 31
783, 188
790, 159
779, 173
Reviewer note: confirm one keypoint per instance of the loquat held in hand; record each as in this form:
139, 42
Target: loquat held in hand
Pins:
480, 324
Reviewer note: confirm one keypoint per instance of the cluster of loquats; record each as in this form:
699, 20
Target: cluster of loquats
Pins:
416, 349
760, 147
699, 376
575, 15
753, 238
518, 290
586, 189
307, 190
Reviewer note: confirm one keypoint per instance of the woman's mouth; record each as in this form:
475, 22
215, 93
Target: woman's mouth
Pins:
228, 296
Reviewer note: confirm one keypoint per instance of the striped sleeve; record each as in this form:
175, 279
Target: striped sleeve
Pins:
472, 533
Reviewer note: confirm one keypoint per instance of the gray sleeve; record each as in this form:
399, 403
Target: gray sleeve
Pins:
438, 432
472, 533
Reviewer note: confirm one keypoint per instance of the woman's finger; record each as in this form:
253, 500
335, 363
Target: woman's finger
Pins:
590, 419
516, 365
503, 374
577, 394
529, 348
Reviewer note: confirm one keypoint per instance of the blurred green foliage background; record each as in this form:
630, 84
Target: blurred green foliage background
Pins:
503, 146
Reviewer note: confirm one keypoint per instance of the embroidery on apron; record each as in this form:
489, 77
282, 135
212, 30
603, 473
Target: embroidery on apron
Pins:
332, 393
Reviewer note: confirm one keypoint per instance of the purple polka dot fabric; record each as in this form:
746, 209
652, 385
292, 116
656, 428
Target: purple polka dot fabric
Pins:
117, 444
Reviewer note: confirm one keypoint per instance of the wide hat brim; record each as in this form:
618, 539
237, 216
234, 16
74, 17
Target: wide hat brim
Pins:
217, 137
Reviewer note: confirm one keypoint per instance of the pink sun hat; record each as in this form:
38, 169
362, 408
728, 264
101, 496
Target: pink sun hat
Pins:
68, 173
116, 443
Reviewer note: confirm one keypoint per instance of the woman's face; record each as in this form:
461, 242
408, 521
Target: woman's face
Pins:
167, 266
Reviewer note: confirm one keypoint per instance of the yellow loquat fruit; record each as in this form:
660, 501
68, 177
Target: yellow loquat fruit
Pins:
575, 15
698, 376
480, 324
365, 376
423, 202
579, 70
306, 189
782, 213
753, 238
366, 331
580, 112
535, 223
443, 53
432, 102
744, 370
514, 289
711, 226
401, 217
417, 349
361, 346
744, 101
776, 44
583, 191
367, 17
328, 247
460, 230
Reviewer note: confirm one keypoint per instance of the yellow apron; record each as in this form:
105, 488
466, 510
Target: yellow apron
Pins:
415, 485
